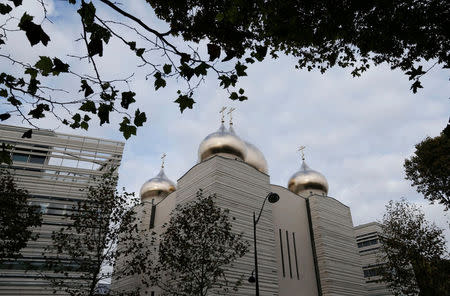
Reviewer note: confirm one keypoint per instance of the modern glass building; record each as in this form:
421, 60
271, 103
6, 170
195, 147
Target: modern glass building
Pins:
55, 168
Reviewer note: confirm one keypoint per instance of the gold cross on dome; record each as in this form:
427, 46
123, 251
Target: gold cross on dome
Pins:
301, 149
230, 112
163, 158
222, 111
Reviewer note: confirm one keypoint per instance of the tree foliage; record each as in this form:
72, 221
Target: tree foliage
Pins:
17, 218
220, 38
195, 249
429, 169
414, 253
86, 249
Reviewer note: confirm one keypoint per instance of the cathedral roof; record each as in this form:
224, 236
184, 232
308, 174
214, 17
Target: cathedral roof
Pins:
157, 187
307, 179
222, 142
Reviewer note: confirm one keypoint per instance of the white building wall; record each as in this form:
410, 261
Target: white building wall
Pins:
296, 273
334, 240
241, 189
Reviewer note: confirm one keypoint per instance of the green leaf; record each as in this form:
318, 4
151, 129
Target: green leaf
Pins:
241, 91
84, 125
14, 101
45, 65
27, 134
88, 106
126, 128
234, 96
38, 111
77, 117
226, 81
5, 9
33, 86
259, 53
184, 102
127, 99
219, 17
186, 71
3, 92
86, 118
34, 32
5, 156
16, 2
140, 51
167, 68
213, 51
159, 82
132, 45
139, 118
4, 116
59, 66
95, 46
86, 88
103, 112
240, 69
87, 13
416, 85
32, 71
201, 69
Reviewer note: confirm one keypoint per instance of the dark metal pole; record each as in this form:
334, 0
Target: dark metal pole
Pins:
256, 255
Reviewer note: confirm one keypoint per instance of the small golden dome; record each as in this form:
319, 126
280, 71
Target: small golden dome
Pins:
308, 180
222, 142
158, 187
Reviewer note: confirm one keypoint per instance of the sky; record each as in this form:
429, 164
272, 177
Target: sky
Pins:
357, 131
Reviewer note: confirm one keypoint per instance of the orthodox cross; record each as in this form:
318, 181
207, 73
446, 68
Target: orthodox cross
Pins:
230, 112
301, 149
222, 111
163, 158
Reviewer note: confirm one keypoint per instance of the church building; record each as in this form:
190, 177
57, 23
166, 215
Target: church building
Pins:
305, 241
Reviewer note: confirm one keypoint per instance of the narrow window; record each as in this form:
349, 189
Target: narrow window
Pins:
289, 253
282, 255
152, 217
295, 254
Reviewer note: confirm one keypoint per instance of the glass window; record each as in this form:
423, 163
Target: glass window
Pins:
368, 243
20, 157
371, 272
37, 159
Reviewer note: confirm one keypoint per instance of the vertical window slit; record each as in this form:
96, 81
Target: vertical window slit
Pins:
289, 253
282, 255
152, 216
295, 254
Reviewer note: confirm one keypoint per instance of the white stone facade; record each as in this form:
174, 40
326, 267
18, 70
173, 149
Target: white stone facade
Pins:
306, 245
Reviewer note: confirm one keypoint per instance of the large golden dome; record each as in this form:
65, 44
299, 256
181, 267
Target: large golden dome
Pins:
222, 142
256, 158
307, 181
157, 188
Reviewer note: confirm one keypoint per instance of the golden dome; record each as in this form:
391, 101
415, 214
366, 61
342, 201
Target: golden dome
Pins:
309, 181
255, 158
222, 142
158, 187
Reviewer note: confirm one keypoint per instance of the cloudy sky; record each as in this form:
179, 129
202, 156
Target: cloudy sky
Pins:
357, 131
